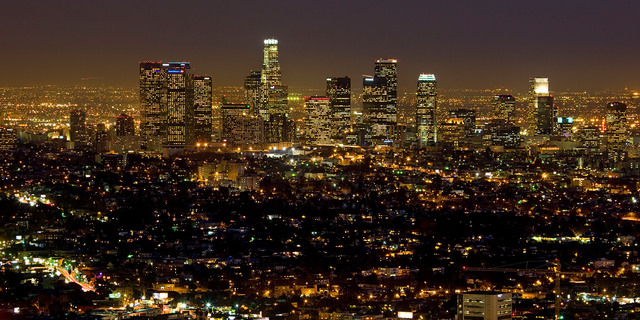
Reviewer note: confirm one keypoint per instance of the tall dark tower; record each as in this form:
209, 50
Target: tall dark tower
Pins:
124, 125
426, 97
339, 93
547, 115
78, 126
252, 85
541, 113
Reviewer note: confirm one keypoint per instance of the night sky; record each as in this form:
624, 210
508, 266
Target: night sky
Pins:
581, 45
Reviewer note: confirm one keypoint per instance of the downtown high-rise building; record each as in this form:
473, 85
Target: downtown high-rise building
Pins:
202, 109
426, 96
338, 91
318, 120
168, 96
240, 128
504, 107
542, 114
273, 104
252, 90
180, 99
380, 99
124, 125
153, 100
78, 127
388, 69
616, 125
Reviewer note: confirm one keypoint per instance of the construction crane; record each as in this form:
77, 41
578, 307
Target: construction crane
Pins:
552, 268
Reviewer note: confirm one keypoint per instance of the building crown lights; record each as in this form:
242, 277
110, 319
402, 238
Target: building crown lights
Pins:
427, 77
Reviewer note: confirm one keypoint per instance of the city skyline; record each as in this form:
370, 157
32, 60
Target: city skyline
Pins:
477, 46
378, 161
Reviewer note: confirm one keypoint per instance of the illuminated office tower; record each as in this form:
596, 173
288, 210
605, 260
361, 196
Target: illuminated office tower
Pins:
504, 107
541, 113
317, 119
374, 107
468, 117
426, 97
379, 101
252, 90
339, 93
124, 125
168, 99
240, 128
273, 105
270, 80
180, 98
202, 109
271, 75
388, 68
153, 100
616, 125
78, 126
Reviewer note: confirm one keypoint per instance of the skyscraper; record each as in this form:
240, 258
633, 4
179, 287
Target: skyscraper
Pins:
541, 114
426, 96
339, 93
180, 99
504, 107
388, 68
202, 109
252, 90
271, 75
167, 97
547, 115
240, 128
101, 143
271, 80
78, 126
273, 106
375, 111
317, 119
153, 100
616, 125
124, 125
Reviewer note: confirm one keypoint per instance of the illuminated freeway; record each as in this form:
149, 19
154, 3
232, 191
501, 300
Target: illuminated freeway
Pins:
85, 287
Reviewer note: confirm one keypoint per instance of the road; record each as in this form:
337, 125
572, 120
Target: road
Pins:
85, 287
